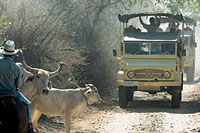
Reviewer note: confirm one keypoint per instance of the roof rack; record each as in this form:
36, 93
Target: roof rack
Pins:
125, 18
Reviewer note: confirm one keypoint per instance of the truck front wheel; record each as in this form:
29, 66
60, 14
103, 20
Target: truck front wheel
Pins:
123, 99
129, 92
176, 97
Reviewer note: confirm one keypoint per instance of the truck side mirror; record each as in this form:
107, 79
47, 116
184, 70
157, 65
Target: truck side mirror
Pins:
114, 52
184, 52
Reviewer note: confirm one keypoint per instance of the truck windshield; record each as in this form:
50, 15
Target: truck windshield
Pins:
141, 48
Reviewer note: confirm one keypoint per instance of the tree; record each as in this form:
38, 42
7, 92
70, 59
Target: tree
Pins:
4, 25
79, 33
189, 7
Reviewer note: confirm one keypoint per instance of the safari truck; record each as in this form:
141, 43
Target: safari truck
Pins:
190, 44
150, 61
190, 47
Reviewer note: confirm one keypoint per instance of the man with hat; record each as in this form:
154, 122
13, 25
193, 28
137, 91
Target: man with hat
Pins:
11, 77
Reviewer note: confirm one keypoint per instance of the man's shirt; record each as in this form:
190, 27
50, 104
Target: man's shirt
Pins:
10, 75
151, 28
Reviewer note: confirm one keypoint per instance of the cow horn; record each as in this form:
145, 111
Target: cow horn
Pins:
28, 68
55, 73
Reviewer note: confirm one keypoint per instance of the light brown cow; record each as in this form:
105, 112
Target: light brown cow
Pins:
39, 81
63, 102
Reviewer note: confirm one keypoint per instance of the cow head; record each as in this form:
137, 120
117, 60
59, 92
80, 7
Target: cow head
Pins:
92, 94
39, 82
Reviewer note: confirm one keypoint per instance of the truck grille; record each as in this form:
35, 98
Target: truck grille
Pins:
149, 73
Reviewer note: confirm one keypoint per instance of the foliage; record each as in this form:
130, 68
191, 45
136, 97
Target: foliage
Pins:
4, 25
190, 7
40, 33
77, 32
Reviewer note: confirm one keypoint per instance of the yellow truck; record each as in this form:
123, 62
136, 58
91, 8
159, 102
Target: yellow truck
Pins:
190, 46
150, 61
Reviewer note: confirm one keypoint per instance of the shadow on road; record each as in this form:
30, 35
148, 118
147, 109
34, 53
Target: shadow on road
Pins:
163, 106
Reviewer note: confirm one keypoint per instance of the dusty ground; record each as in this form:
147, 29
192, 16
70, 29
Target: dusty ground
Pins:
146, 114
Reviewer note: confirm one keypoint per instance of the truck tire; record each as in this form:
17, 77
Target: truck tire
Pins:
176, 97
129, 92
123, 99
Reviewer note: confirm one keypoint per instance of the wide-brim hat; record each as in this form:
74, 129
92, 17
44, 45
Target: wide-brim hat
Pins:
9, 48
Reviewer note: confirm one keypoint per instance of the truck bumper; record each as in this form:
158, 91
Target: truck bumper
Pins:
150, 86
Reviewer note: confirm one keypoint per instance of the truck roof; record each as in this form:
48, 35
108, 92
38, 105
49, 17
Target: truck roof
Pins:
164, 17
125, 18
152, 36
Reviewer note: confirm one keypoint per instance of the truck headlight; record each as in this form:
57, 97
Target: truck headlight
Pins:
167, 75
120, 75
130, 74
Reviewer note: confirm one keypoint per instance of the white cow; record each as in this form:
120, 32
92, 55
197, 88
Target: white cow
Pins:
38, 79
63, 102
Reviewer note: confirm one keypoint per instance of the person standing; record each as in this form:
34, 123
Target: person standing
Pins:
153, 26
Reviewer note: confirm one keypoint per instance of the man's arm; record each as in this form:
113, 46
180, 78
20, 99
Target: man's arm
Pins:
143, 24
19, 81
141, 21
158, 21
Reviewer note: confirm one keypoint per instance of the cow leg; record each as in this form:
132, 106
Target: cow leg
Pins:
35, 116
67, 122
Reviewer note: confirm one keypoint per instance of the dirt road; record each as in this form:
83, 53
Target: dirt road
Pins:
146, 114
153, 114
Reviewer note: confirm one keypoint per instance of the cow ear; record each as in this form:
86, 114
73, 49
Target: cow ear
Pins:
86, 85
89, 85
87, 93
30, 78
